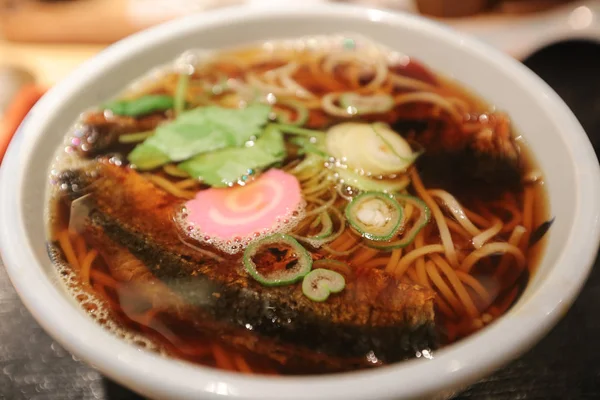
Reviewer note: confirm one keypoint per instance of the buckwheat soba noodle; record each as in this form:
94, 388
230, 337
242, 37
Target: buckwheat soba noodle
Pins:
305, 206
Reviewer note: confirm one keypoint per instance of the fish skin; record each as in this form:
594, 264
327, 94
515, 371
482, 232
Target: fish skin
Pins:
456, 156
377, 315
98, 134
138, 287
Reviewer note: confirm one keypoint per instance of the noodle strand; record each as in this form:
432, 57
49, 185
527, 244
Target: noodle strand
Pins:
65, 244
410, 257
456, 283
86, 266
438, 216
491, 249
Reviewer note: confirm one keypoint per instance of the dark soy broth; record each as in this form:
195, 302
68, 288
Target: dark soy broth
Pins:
311, 206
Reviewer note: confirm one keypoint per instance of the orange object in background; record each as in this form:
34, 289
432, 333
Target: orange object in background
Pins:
89, 21
464, 8
452, 8
23, 101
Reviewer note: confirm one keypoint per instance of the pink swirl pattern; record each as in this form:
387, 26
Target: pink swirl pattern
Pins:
245, 211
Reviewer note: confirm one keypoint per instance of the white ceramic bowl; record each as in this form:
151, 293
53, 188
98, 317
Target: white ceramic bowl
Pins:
557, 139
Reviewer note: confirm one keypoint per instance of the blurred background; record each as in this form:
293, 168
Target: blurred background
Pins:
49, 38
42, 41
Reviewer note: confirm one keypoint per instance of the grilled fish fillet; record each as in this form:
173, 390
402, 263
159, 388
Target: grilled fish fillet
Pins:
374, 318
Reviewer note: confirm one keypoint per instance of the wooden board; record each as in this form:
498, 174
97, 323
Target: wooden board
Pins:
48, 63
92, 21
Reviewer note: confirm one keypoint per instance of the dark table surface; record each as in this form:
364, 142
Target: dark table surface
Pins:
564, 365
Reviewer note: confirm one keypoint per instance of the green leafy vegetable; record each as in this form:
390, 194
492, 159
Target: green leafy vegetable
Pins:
225, 167
206, 129
147, 157
209, 128
141, 106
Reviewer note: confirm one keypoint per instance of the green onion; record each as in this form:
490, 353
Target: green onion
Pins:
409, 160
375, 216
309, 140
320, 283
180, 93
141, 106
324, 219
135, 137
360, 182
359, 145
307, 147
291, 274
311, 161
409, 236
302, 113
375, 104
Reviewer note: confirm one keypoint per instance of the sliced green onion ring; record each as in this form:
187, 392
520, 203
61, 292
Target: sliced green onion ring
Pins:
320, 283
375, 216
296, 272
324, 204
360, 182
375, 149
408, 236
324, 220
321, 242
302, 113
409, 160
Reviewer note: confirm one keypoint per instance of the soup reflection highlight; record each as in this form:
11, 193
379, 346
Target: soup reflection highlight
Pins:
295, 207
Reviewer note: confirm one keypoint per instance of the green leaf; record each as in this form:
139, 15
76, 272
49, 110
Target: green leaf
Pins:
226, 167
140, 106
146, 157
209, 128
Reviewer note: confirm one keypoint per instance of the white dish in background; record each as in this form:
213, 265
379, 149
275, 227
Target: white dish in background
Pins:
519, 35
552, 132
522, 35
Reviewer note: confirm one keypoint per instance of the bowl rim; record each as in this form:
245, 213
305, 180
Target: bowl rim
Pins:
152, 374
